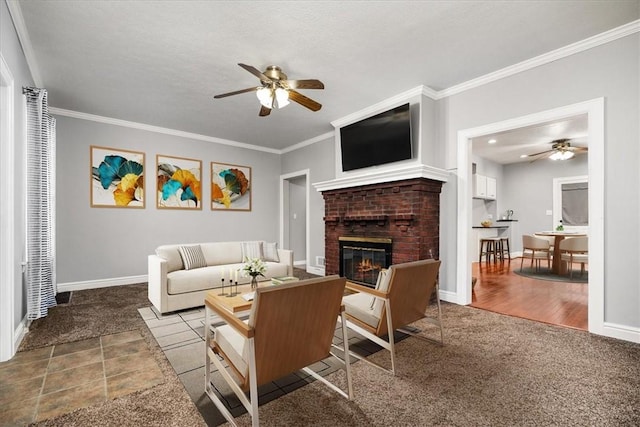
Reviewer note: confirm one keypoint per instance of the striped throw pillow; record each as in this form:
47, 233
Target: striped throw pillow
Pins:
271, 252
192, 257
251, 250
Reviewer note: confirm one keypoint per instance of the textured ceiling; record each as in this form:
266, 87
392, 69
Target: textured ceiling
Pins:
160, 62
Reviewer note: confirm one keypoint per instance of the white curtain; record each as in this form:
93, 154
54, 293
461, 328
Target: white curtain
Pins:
41, 201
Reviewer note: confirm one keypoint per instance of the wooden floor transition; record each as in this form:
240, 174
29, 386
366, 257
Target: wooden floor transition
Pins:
500, 290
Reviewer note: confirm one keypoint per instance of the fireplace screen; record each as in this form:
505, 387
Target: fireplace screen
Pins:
361, 259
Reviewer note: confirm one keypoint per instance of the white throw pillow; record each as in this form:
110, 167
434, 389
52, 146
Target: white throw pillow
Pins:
251, 250
271, 252
382, 277
192, 257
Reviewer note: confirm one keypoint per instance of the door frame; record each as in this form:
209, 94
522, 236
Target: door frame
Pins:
7, 223
283, 182
595, 112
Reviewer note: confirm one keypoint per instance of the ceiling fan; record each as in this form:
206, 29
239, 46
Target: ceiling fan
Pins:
561, 149
276, 90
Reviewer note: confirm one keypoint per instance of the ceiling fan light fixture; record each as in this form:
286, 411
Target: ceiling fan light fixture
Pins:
265, 96
282, 97
561, 155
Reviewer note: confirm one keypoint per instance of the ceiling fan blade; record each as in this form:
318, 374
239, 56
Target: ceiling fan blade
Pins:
256, 72
303, 84
264, 111
237, 92
304, 101
542, 152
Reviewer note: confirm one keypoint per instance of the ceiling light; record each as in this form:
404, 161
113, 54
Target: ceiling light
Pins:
265, 96
561, 155
524, 156
492, 141
282, 97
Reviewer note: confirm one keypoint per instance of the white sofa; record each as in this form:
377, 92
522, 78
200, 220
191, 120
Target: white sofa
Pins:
172, 287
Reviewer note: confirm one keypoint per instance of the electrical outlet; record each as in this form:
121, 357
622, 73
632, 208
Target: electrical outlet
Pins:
490, 216
549, 212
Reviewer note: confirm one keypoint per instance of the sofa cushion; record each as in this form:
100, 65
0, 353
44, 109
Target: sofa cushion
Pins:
251, 250
172, 256
270, 251
192, 257
222, 253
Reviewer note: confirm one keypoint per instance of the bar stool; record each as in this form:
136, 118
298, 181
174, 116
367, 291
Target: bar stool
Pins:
504, 248
490, 246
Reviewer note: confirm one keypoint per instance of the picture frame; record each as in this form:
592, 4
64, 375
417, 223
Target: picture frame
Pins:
231, 187
116, 178
178, 183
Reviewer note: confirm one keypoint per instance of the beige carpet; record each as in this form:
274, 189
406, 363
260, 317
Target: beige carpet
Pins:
494, 370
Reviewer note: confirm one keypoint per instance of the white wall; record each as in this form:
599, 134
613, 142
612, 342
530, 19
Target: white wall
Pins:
529, 191
610, 71
319, 158
108, 243
14, 57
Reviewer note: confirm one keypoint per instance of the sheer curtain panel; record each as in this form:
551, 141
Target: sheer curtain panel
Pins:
41, 200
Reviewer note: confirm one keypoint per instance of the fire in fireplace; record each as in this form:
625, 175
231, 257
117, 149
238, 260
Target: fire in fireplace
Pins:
362, 258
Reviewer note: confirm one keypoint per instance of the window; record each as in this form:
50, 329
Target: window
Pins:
571, 203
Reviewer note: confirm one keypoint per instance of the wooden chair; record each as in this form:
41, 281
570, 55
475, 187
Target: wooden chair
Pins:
401, 298
575, 249
535, 248
290, 327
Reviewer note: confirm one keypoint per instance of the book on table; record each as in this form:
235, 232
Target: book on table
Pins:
282, 280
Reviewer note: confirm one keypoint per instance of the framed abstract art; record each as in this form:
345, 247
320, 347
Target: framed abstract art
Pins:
117, 178
178, 183
230, 187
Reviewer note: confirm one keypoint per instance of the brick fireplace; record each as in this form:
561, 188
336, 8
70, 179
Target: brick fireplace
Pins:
407, 212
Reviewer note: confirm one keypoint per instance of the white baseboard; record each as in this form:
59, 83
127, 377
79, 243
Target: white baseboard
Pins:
19, 334
315, 270
101, 283
301, 262
621, 332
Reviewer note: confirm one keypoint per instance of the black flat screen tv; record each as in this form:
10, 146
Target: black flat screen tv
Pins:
376, 140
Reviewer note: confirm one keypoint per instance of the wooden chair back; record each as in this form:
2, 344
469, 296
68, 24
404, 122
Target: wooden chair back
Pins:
410, 289
294, 325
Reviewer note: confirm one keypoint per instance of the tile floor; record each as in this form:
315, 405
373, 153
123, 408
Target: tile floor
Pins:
181, 337
51, 381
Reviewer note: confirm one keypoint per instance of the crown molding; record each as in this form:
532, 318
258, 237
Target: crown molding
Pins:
386, 104
545, 58
25, 41
158, 129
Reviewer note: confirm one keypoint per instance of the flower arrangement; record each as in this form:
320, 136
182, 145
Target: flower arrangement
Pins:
254, 267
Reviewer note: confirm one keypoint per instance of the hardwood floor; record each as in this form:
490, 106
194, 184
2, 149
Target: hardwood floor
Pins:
500, 290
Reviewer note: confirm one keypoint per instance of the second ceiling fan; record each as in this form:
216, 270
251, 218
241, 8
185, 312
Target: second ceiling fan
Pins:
276, 90
561, 149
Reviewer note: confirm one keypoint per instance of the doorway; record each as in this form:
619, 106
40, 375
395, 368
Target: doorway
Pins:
595, 113
294, 218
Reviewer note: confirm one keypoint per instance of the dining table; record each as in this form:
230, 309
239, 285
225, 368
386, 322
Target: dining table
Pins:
557, 266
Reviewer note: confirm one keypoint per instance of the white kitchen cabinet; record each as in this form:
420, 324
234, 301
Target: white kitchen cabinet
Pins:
491, 188
484, 187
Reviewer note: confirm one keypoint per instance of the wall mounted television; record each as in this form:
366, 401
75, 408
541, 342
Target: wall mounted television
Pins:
376, 140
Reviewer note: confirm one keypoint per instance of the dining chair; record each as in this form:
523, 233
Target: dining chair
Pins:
401, 298
575, 249
536, 248
290, 327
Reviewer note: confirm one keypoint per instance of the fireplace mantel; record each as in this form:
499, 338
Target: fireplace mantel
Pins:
377, 177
